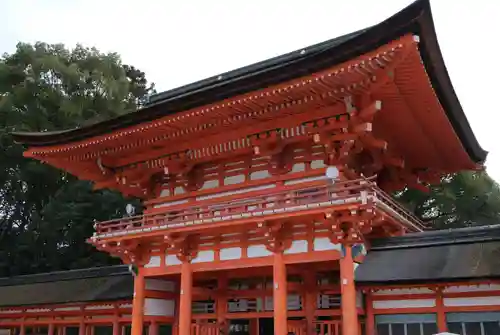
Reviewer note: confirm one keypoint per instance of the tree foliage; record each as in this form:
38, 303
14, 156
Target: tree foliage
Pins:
464, 199
45, 214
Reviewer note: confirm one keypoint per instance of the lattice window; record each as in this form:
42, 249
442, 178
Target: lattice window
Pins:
477, 323
406, 324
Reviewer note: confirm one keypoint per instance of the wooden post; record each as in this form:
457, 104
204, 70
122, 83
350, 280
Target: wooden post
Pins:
116, 325
370, 317
440, 313
138, 303
350, 324
185, 300
175, 325
81, 327
253, 326
153, 328
310, 300
51, 329
221, 302
280, 295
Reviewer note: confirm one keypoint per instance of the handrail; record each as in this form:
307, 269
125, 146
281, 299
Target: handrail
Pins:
398, 208
291, 198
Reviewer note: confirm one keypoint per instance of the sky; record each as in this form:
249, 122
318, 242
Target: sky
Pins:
179, 42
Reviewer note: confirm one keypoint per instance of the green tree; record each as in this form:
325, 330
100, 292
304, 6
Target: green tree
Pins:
464, 199
45, 214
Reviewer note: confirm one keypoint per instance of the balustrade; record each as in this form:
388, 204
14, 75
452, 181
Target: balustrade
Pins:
288, 199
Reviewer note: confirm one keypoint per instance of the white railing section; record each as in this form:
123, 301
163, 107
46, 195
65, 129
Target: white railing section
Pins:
266, 203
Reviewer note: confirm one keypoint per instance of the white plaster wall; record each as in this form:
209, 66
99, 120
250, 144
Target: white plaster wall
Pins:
99, 307
154, 261
472, 288
159, 307
401, 291
257, 175
160, 285
473, 301
210, 184
297, 247
298, 167
324, 243
317, 164
232, 180
204, 256
179, 190
230, 253
408, 303
172, 260
258, 250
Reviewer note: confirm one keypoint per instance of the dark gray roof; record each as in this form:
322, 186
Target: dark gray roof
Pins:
414, 19
95, 284
446, 255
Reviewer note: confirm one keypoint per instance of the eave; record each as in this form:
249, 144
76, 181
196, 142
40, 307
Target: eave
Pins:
414, 19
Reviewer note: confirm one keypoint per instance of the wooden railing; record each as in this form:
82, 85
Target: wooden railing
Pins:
297, 327
205, 329
288, 199
333, 327
328, 327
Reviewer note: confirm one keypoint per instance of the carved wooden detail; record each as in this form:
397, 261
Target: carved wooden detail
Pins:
184, 246
129, 251
278, 237
350, 227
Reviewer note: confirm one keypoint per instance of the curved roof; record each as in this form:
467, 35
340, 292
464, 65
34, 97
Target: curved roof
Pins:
433, 256
415, 19
87, 285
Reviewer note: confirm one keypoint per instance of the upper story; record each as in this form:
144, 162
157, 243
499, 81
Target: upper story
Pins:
375, 107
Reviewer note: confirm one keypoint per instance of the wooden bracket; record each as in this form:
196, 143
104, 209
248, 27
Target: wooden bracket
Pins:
183, 245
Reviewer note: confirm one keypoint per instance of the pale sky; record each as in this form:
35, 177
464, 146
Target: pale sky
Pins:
179, 42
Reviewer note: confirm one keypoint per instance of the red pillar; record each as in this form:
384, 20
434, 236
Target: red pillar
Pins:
221, 302
280, 295
185, 300
350, 325
116, 326
441, 315
310, 300
81, 328
153, 328
138, 303
253, 327
51, 329
370, 317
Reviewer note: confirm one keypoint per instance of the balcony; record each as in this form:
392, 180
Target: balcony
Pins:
291, 200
